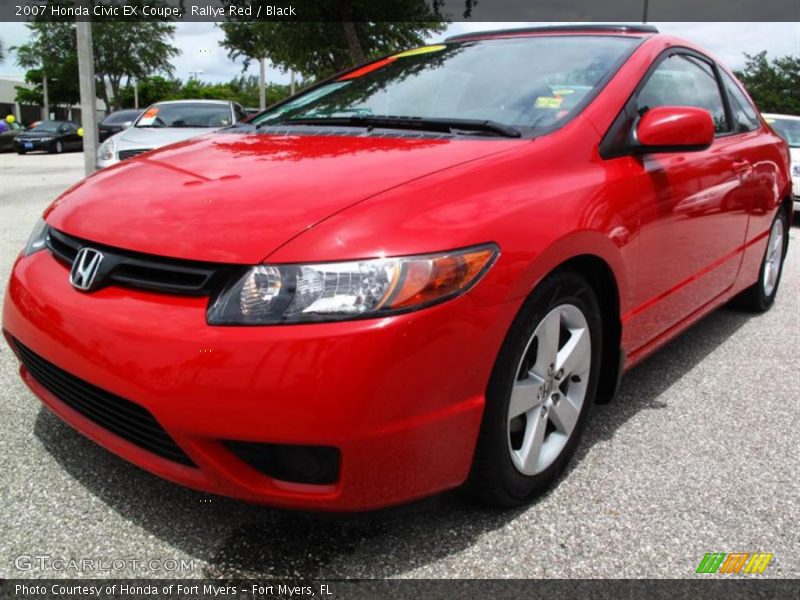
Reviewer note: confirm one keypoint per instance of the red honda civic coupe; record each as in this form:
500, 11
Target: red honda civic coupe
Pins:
417, 274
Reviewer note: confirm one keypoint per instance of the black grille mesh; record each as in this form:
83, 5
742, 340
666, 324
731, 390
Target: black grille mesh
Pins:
126, 154
128, 420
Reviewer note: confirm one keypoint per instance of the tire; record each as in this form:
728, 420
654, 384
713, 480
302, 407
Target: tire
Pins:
20, 152
760, 296
502, 473
58, 147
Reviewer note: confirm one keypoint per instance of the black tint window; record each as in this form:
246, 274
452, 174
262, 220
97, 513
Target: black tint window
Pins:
743, 112
682, 80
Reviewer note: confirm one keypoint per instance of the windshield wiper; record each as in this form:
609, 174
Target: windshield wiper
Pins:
422, 123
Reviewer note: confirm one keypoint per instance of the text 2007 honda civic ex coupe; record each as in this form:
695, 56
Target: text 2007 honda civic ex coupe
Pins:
417, 274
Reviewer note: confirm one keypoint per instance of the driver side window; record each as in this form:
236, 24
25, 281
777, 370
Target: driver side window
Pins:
683, 80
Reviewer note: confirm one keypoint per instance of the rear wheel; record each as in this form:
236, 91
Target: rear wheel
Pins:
760, 296
541, 389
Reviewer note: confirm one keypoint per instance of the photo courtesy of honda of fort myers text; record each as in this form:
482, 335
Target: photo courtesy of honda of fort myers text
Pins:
409, 299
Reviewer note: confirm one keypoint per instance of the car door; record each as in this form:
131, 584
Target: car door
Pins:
754, 149
693, 211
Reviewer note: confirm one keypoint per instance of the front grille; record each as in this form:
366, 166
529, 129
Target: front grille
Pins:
126, 154
135, 269
125, 419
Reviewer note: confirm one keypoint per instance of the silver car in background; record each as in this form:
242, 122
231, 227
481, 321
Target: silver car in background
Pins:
788, 127
166, 123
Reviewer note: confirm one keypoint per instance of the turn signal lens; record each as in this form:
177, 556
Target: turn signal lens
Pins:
272, 294
38, 238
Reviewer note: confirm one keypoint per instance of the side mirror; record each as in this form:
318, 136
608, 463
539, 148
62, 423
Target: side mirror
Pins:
673, 129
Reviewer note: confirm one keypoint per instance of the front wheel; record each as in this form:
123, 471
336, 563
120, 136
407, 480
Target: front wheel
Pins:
58, 147
541, 389
760, 296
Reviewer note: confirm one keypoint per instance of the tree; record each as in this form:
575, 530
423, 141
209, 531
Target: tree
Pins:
123, 50
250, 41
127, 50
773, 85
151, 90
339, 33
51, 52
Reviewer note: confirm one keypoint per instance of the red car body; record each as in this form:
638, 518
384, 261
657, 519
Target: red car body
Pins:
666, 239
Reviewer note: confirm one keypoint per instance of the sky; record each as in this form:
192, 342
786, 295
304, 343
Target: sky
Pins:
200, 49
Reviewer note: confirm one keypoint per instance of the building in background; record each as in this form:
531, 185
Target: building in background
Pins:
28, 113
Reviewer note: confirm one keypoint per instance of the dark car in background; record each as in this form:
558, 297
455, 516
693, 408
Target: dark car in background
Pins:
7, 136
116, 122
49, 136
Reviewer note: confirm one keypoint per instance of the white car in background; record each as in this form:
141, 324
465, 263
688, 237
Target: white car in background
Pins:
166, 123
788, 127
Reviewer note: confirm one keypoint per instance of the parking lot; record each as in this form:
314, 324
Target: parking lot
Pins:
698, 454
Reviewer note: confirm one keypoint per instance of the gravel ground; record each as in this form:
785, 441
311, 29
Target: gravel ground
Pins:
698, 454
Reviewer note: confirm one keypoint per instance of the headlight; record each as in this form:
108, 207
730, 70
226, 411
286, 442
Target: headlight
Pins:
106, 150
272, 294
796, 169
38, 239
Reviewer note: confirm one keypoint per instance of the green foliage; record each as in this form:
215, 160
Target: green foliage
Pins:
339, 34
151, 89
52, 51
122, 51
773, 85
243, 90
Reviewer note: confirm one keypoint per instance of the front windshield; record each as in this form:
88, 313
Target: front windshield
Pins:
530, 83
788, 129
48, 126
123, 116
186, 114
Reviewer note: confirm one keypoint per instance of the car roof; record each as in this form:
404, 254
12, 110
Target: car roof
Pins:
615, 29
779, 116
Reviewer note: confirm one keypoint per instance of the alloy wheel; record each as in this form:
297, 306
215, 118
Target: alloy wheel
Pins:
773, 258
549, 390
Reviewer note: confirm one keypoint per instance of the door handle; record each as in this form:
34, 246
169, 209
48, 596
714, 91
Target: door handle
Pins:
741, 166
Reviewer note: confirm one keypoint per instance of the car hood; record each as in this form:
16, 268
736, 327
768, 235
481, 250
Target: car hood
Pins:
154, 137
232, 197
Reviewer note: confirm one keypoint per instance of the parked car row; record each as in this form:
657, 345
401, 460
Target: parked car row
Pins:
127, 133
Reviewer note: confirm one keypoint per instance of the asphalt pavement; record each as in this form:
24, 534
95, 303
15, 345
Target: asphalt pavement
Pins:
699, 453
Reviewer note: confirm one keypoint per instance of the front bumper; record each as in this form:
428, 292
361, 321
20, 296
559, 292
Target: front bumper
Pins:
33, 145
401, 398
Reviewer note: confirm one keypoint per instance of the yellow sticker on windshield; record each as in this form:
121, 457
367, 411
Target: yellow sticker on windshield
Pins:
548, 102
418, 51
